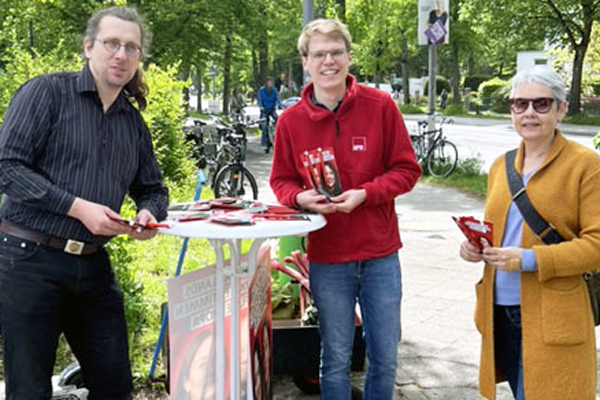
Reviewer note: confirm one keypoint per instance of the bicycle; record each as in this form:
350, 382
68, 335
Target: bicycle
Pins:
233, 179
434, 151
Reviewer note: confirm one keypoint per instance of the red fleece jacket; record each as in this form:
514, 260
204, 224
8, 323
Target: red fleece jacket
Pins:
372, 150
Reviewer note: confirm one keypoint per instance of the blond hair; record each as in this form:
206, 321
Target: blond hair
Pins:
331, 28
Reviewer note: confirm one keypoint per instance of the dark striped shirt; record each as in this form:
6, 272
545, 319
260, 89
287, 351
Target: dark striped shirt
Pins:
56, 144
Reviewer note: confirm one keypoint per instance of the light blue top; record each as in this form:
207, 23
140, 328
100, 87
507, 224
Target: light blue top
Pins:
508, 284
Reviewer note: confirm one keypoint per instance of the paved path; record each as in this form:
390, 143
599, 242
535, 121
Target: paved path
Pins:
439, 352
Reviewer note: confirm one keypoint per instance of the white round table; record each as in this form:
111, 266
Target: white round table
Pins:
220, 235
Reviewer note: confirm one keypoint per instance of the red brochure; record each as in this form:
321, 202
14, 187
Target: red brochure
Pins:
475, 230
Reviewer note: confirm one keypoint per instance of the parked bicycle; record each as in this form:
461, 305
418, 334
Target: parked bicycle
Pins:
233, 178
434, 152
220, 150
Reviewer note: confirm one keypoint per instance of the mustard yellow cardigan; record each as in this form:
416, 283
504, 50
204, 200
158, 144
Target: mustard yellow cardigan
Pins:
559, 351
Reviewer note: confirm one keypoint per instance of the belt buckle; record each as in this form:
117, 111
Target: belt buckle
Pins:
74, 247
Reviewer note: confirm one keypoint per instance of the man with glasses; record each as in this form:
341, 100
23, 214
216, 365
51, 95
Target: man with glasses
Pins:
72, 145
355, 256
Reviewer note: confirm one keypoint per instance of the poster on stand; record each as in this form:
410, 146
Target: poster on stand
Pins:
261, 337
192, 335
434, 26
244, 337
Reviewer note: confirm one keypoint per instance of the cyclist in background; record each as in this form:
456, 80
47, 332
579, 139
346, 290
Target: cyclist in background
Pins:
268, 100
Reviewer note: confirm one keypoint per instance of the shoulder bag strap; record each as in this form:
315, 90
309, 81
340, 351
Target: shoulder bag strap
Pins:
538, 225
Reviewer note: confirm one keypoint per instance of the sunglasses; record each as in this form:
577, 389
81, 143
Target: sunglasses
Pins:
541, 105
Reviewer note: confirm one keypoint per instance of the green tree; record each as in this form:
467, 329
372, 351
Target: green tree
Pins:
566, 23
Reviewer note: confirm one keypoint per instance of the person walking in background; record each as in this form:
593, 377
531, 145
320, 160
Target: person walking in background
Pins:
268, 100
533, 309
355, 256
72, 145
444, 99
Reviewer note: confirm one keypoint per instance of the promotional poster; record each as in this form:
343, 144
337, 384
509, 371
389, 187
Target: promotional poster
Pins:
192, 335
260, 326
434, 26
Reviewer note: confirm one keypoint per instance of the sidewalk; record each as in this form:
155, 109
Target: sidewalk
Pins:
438, 356
582, 130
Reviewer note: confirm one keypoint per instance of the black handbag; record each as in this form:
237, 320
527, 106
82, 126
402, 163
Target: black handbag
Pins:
545, 230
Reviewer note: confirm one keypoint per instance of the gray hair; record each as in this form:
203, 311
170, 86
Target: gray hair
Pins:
541, 75
124, 13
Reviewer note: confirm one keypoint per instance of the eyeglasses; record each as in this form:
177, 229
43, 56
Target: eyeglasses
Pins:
541, 105
132, 50
319, 56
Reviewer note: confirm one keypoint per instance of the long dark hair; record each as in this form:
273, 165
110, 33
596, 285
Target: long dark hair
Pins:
136, 88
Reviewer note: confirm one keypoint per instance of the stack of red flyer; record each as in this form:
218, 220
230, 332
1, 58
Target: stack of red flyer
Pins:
475, 230
322, 171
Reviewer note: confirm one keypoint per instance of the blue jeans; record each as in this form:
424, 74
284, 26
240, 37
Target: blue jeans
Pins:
44, 292
377, 284
271, 116
508, 347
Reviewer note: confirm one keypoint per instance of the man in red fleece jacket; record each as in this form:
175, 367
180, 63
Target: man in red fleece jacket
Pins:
356, 255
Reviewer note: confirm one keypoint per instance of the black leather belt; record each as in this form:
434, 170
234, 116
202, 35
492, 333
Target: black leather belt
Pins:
68, 246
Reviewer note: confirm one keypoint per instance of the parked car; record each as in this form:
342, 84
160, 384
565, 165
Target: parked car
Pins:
290, 101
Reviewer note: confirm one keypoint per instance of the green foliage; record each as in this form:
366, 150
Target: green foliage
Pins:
467, 176
411, 109
583, 119
455, 109
490, 86
164, 117
441, 83
494, 93
473, 81
21, 66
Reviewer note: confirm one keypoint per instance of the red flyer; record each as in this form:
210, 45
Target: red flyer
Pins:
330, 173
475, 230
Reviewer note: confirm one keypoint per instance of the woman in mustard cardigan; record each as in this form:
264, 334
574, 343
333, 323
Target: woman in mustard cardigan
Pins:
533, 309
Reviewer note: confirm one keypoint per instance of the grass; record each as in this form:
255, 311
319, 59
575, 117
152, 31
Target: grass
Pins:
467, 176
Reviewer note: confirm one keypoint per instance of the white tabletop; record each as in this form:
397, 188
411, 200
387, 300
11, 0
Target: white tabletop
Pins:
261, 229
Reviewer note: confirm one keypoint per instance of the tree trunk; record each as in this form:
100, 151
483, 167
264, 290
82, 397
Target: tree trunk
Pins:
455, 73
263, 58
255, 74
227, 73
198, 84
404, 62
575, 95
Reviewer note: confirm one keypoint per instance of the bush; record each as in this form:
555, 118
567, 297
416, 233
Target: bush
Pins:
411, 109
494, 93
455, 109
440, 84
20, 66
164, 117
473, 81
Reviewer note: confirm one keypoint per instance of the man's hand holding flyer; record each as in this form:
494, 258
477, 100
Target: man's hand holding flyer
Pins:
475, 230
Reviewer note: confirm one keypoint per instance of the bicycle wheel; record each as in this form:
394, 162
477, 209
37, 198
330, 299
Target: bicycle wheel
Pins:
236, 181
443, 159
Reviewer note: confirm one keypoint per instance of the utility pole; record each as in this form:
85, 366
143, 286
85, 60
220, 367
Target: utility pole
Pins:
432, 91
308, 15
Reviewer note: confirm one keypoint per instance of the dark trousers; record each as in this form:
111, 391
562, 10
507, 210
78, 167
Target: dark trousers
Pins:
508, 346
45, 292
271, 116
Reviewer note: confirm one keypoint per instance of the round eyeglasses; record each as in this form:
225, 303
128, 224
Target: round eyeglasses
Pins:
541, 105
132, 50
